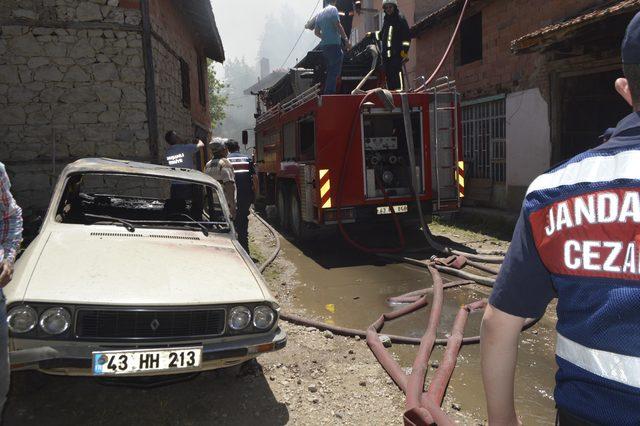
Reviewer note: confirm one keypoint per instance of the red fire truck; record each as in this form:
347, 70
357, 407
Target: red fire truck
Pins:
318, 154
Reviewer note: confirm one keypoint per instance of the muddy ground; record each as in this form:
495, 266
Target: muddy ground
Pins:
317, 379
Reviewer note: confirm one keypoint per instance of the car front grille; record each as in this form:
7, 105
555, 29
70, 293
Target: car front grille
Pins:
149, 324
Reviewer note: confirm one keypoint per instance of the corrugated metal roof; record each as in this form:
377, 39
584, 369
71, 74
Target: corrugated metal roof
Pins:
200, 13
555, 32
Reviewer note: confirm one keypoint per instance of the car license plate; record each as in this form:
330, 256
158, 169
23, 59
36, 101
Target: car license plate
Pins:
398, 209
114, 363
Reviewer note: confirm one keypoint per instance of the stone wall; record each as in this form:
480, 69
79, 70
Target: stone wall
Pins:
71, 86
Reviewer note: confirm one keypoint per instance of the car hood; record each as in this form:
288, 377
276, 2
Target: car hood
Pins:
145, 268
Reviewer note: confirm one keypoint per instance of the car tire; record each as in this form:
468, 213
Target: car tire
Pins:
283, 208
297, 226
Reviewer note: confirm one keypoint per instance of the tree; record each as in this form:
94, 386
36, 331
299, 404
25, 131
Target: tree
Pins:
218, 99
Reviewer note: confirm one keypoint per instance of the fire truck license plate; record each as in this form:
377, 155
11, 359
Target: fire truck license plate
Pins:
398, 209
115, 363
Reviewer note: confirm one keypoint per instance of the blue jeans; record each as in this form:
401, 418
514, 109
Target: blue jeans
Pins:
4, 354
333, 58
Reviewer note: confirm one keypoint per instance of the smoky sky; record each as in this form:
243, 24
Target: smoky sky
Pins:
244, 24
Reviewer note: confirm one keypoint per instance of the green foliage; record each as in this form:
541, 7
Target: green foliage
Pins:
218, 98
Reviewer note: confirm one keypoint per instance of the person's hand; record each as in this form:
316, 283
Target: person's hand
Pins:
6, 273
348, 46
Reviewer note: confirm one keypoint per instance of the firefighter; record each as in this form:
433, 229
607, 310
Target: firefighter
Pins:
395, 40
577, 240
244, 170
346, 10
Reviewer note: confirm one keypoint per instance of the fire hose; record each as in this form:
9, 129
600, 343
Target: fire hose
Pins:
422, 408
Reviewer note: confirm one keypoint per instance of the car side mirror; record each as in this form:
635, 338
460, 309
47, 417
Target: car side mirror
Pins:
245, 137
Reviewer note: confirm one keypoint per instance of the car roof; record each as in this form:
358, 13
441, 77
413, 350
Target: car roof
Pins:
108, 165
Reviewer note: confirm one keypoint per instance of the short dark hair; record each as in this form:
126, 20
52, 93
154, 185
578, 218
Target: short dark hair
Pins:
232, 145
632, 73
170, 137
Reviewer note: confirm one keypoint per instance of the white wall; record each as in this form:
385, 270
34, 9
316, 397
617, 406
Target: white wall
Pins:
528, 137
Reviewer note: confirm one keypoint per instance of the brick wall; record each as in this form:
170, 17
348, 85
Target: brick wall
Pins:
499, 71
71, 86
173, 40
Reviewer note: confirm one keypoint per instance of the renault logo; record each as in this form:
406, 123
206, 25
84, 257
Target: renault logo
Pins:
155, 324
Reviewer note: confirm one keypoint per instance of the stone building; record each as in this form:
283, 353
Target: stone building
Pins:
536, 84
98, 78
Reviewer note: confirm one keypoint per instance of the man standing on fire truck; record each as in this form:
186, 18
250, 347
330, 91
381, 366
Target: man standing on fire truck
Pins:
346, 10
395, 40
332, 35
578, 239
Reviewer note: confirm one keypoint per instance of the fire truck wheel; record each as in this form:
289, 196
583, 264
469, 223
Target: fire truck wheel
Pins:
297, 225
283, 208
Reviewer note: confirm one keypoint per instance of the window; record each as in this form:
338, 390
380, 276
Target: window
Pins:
484, 140
202, 78
307, 132
186, 84
471, 40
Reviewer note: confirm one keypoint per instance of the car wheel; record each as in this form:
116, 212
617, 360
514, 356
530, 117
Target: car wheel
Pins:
297, 225
283, 208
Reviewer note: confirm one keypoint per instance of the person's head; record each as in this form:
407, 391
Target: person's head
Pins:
218, 150
390, 6
172, 137
629, 87
330, 2
232, 145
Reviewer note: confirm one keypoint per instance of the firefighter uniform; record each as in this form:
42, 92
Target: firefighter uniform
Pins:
346, 9
244, 170
578, 238
395, 41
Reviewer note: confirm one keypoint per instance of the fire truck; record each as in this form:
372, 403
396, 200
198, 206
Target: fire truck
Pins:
349, 157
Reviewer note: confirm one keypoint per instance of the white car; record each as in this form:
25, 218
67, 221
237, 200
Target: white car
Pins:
137, 271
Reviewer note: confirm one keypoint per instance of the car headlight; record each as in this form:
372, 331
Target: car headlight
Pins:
55, 321
263, 317
239, 318
22, 319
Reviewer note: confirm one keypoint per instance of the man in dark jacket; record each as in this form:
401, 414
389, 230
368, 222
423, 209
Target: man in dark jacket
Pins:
395, 40
244, 170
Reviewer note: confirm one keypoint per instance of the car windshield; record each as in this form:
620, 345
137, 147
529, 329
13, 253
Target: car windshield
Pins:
134, 201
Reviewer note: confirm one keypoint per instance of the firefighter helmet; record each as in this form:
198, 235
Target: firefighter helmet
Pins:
386, 2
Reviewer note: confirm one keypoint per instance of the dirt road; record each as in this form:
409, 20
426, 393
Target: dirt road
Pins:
317, 379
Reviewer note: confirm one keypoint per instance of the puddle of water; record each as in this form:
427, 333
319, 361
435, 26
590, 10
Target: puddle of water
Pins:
344, 288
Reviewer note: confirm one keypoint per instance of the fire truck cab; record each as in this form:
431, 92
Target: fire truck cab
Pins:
328, 158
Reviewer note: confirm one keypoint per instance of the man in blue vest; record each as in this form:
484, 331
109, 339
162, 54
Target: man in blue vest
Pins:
578, 239
244, 170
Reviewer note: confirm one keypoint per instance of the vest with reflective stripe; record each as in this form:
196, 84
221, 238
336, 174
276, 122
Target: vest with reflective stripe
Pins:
585, 221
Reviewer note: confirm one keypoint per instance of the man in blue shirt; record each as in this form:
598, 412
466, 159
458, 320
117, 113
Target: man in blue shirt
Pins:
331, 33
578, 239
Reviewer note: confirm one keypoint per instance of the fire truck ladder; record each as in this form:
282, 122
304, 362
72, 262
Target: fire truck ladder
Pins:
445, 153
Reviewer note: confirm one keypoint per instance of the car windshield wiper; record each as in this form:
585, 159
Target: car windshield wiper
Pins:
205, 231
128, 226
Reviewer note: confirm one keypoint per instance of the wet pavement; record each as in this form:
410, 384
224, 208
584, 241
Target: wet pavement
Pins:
350, 289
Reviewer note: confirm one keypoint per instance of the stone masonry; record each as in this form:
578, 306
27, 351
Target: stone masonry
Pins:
72, 85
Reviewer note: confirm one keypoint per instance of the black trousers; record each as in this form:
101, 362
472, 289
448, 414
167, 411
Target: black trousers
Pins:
393, 69
241, 224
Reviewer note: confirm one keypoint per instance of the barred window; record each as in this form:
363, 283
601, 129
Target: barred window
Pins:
484, 140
